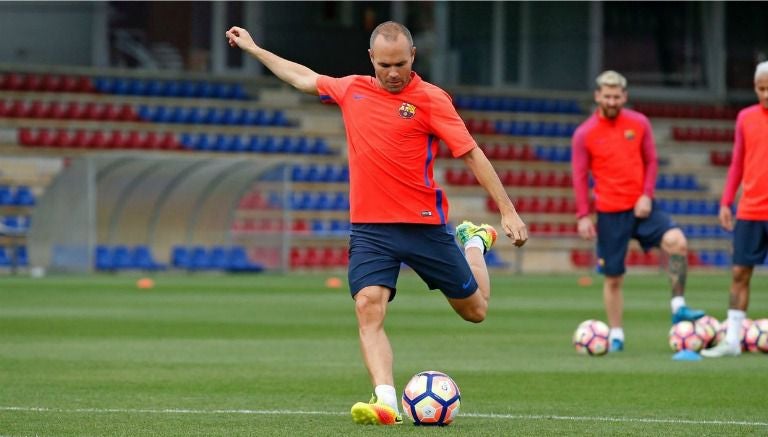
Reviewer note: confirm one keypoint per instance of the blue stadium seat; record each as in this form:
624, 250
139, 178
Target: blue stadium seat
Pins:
6, 196
180, 257
5, 260
22, 258
154, 88
340, 202
317, 226
185, 89
104, 85
238, 261
104, 258
321, 202
320, 147
141, 258
170, 88
198, 259
218, 258
121, 258
23, 196
278, 119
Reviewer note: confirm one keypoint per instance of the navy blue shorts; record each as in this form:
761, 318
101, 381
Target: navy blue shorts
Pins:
750, 242
377, 250
615, 229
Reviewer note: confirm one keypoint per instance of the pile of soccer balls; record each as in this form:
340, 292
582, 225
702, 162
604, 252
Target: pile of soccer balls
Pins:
591, 336
707, 332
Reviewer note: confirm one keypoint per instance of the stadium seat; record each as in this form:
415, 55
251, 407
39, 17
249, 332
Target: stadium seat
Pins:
180, 257
121, 258
141, 258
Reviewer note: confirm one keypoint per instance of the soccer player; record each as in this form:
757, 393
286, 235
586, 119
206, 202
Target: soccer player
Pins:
616, 146
750, 233
394, 122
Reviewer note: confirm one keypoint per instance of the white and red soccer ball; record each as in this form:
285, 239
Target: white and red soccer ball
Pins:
711, 330
756, 336
687, 335
591, 338
431, 398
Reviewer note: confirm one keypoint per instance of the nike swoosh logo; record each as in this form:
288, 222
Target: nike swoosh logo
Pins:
466, 284
358, 96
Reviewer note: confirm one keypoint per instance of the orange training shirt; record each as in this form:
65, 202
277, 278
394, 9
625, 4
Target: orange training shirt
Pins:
393, 140
749, 165
621, 155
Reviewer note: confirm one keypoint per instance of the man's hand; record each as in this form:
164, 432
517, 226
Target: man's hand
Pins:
726, 217
239, 37
643, 206
586, 228
514, 228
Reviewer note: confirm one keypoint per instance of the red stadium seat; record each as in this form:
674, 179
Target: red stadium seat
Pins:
26, 137
168, 142
51, 83
79, 138
32, 82
96, 140
74, 111
10, 81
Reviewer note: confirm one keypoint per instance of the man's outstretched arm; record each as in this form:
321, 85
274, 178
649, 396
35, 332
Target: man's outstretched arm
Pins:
296, 75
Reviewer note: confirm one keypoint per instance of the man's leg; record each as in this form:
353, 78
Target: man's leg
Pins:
675, 245
737, 312
613, 299
371, 309
477, 240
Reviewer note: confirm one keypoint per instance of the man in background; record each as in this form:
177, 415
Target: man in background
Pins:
615, 145
749, 169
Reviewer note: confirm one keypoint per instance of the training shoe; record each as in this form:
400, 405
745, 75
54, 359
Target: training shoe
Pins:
723, 349
616, 345
466, 230
685, 313
375, 413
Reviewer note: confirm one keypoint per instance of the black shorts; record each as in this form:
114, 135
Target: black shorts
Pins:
376, 252
750, 242
615, 229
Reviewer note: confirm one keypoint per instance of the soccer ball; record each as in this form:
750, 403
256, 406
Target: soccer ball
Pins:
711, 328
756, 337
687, 335
745, 325
591, 338
431, 398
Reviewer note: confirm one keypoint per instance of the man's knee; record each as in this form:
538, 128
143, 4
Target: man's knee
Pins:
472, 309
674, 241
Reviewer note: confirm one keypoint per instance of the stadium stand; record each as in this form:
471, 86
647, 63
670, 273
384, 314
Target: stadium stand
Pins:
64, 115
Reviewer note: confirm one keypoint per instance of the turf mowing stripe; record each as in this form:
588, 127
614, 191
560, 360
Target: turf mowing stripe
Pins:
334, 413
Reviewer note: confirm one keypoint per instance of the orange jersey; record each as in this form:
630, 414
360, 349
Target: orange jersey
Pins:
749, 165
392, 142
621, 155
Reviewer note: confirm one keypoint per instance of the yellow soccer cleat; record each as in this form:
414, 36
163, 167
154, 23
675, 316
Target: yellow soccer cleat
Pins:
375, 413
466, 230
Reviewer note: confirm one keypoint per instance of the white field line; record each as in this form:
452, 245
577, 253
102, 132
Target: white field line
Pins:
532, 417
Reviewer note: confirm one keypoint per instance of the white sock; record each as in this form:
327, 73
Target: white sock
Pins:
387, 395
735, 319
475, 242
616, 333
677, 303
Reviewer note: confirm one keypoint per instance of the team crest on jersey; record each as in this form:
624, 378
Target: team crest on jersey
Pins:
407, 110
629, 134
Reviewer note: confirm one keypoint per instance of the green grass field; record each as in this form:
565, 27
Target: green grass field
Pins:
276, 355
